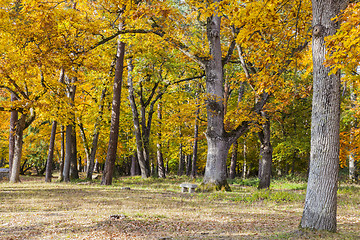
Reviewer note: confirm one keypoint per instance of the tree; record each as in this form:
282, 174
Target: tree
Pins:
13, 120
49, 162
266, 150
115, 114
321, 195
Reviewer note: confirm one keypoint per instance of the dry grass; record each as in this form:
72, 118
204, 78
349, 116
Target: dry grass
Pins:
155, 209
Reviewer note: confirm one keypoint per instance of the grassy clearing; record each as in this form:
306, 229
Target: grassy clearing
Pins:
155, 209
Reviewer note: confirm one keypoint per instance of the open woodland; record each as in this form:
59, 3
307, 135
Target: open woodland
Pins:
255, 101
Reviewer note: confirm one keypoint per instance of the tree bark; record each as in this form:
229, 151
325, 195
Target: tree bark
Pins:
195, 146
74, 171
68, 152
181, 161
266, 154
135, 168
62, 154
141, 153
188, 165
13, 120
70, 131
115, 115
244, 168
321, 196
160, 159
94, 146
51, 153
15, 170
352, 161
233, 160
218, 143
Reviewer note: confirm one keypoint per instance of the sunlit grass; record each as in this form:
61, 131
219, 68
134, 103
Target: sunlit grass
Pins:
155, 208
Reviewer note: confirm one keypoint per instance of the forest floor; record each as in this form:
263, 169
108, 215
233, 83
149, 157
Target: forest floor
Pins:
156, 209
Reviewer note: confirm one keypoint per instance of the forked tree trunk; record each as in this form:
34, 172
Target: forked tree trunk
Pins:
13, 119
51, 153
115, 115
140, 148
94, 146
266, 150
321, 196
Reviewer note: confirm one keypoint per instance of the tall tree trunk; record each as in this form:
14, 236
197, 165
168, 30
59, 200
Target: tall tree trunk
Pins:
68, 152
62, 154
266, 154
141, 154
115, 114
218, 143
135, 168
352, 165
13, 120
233, 160
321, 196
51, 153
15, 170
195, 146
188, 165
244, 169
94, 146
160, 159
74, 171
85, 143
70, 131
181, 161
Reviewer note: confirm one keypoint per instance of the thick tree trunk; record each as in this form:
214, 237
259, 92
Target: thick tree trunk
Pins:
15, 170
215, 171
115, 115
13, 120
321, 196
218, 143
266, 150
51, 153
